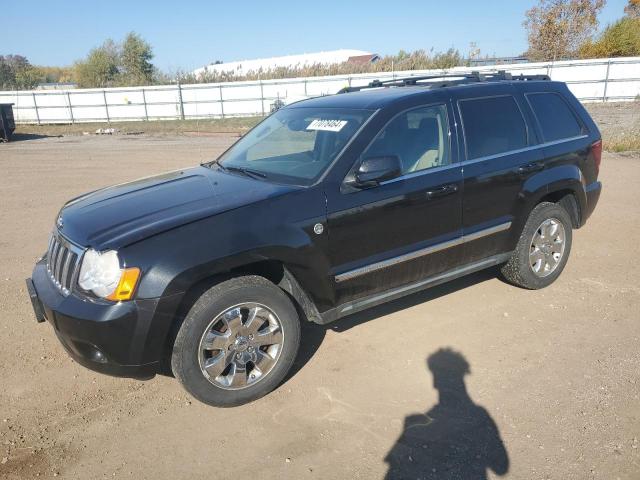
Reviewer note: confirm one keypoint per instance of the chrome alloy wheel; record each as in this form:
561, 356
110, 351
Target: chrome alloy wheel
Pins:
241, 346
547, 247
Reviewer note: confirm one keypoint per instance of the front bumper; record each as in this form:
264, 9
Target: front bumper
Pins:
124, 339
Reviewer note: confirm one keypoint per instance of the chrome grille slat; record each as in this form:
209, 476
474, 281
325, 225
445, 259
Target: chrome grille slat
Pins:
54, 256
59, 259
65, 269
51, 240
63, 263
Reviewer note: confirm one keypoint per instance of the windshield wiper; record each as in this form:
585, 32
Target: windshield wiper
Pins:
245, 171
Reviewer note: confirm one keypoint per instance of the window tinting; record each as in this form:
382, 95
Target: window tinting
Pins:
419, 137
556, 119
492, 125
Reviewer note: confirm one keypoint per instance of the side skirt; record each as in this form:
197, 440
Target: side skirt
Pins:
398, 292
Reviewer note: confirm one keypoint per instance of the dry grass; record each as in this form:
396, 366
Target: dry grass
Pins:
619, 124
627, 142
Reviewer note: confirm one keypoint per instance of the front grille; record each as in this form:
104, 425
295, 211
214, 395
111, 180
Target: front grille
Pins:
63, 263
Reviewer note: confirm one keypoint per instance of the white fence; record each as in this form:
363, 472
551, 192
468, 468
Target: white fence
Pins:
616, 79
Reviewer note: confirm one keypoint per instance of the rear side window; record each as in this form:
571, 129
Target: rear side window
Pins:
492, 125
556, 119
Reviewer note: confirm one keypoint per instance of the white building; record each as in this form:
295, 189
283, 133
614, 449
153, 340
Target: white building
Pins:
290, 61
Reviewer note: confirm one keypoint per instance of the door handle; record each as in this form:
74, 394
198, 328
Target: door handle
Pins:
442, 190
530, 168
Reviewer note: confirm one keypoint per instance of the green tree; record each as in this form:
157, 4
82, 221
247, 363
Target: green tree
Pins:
16, 73
112, 64
100, 68
557, 28
621, 39
135, 60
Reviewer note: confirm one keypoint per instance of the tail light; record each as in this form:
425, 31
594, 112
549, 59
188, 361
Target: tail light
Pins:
596, 149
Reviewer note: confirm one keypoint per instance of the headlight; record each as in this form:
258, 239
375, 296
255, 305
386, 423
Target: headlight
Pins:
101, 274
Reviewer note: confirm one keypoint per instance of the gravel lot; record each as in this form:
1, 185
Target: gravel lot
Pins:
553, 390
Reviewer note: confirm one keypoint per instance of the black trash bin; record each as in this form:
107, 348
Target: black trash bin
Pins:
7, 124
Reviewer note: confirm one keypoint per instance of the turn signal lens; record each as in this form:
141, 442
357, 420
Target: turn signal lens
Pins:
126, 286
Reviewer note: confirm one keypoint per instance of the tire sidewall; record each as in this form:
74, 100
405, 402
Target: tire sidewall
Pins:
185, 357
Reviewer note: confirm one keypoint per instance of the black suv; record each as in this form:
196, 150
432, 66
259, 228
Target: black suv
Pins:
327, 207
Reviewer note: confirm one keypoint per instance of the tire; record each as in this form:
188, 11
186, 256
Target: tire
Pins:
204, 345
539, 248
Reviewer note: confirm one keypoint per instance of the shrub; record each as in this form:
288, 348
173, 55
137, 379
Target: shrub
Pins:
621, 39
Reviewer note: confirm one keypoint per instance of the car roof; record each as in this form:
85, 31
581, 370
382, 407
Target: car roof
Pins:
375, 98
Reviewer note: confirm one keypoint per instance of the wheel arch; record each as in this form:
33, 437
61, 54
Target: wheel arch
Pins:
566, 197
563, 184
275, 271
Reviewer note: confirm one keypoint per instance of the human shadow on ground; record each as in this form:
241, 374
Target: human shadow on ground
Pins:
454, 439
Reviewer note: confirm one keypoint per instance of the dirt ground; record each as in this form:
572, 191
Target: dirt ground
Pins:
553, 389
619, 124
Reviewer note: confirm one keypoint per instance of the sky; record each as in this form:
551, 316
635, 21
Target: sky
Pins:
190, 34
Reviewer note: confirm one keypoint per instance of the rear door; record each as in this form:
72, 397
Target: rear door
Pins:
407, 228
500, 155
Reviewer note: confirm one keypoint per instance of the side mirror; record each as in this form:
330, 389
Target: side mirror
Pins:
374, 170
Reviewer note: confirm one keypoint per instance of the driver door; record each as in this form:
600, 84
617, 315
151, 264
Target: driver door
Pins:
405, 229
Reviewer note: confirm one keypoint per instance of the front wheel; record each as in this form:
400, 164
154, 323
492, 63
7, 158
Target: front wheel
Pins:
237, 342
543, 248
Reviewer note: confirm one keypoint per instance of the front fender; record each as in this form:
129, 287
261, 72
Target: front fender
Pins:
274, 230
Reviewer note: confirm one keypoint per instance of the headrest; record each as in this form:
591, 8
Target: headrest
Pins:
429, 131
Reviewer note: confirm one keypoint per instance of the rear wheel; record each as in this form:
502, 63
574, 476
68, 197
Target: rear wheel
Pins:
237, 342
543, 248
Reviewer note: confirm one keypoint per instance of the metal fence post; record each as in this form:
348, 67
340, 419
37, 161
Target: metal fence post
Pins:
70, 107
305, 89
181, 106
262, 97
106, 106
221, 101
606, 82
35, 106
144, 101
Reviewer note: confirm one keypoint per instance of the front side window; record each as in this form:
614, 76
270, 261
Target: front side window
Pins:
556, 119
492, 125
294, 145
419, 137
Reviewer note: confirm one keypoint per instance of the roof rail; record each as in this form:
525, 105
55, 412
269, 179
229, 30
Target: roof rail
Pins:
461, 79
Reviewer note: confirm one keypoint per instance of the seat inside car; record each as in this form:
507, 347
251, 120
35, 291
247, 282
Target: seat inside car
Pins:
427, 145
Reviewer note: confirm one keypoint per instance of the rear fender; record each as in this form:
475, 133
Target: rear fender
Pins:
538, 186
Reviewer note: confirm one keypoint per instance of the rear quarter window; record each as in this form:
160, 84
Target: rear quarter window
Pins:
556, 119
492, 125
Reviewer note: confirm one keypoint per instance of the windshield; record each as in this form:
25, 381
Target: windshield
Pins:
294, 145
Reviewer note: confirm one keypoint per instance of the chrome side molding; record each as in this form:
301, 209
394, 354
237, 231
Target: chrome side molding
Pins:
357, 272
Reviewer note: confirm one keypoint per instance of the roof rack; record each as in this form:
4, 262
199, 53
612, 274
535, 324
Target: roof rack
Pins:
462, 78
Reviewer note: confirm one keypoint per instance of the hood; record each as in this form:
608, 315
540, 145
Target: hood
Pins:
123, 214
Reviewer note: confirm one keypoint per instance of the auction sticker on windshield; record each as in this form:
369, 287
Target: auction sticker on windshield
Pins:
327, 125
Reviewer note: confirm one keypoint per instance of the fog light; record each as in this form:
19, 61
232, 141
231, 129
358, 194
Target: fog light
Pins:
98, 356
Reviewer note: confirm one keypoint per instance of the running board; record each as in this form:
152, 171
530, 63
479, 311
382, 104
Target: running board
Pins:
398, 292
